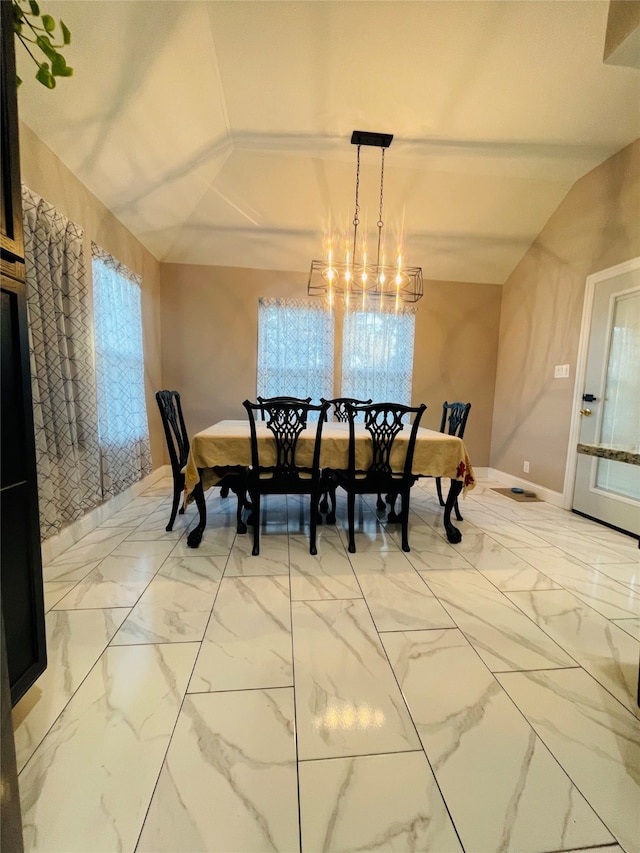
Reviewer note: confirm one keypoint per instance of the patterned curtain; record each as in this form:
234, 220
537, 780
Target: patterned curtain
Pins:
122, 411
62, 375
295, 349
377, 355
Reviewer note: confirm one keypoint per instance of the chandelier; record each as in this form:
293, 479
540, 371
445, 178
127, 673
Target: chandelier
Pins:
352, 275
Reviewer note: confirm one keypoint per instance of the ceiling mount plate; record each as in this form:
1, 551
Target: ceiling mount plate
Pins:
364, 137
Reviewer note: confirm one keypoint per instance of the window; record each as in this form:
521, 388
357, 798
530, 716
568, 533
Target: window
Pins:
377, 355
295, 349
123, 429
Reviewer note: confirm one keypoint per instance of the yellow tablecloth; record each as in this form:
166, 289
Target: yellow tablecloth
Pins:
228, 443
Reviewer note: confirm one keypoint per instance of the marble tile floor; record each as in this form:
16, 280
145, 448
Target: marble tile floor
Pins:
478, 697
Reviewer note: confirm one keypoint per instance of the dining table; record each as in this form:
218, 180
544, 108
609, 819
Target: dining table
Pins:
226, 446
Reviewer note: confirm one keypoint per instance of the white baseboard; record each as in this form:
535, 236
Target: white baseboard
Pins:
55, 545
548, 495
481, 473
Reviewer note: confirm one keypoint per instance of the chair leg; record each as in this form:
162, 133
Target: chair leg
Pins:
404, 520
331, 515
255, 512
393, 516
313, 523
351, 512
380, 503
439, 490
241, 494
324, 501
457, 511
177, 491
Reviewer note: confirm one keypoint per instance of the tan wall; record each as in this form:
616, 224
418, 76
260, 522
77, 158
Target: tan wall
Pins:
596, 226
210, 334
46, 175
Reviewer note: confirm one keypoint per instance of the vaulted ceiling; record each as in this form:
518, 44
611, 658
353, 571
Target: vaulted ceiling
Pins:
219, 132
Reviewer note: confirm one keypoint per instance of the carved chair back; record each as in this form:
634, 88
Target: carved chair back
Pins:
454, 418
174, 429
339, 406
285, 420
383, 422
264, 401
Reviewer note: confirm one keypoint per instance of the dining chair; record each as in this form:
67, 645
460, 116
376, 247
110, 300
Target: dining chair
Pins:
285, 420
453, 422
265, 400
383, 422
178, 445
340, 414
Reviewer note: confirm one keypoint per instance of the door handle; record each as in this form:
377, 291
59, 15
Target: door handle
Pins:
585, 412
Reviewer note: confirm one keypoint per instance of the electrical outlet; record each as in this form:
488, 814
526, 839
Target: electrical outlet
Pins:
525, 467
561, 371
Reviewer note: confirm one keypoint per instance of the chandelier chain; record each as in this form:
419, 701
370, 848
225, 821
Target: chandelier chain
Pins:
356, 220
380, 222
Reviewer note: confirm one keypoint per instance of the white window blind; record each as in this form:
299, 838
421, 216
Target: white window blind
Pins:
295, 349
123, 428
377, 355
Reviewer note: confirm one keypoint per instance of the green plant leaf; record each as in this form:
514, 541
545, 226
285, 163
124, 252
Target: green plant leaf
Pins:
60, 68
48, 23
35, 9
44, 43
66, 35
18, 14
17, 27
18, 81
45, 76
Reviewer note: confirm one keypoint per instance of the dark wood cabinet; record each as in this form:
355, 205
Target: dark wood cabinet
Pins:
23, 654
21, 590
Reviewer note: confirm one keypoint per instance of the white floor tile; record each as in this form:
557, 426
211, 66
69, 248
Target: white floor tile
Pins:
501, 634
370, 803
605, 651
89, 783
229, 779
325, 575
610, 598
595, 740
176, 605
504, 790
395, 593
75, 641
347, 700
248, 640
505, 568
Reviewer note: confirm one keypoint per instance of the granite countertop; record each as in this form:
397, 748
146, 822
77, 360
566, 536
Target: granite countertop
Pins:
632, 457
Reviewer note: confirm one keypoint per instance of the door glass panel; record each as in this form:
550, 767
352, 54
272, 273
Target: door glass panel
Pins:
621, 406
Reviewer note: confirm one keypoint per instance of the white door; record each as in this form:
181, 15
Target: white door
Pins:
605, 489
